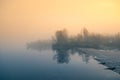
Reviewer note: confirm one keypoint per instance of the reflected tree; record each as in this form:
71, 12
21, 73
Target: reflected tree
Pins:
62, 56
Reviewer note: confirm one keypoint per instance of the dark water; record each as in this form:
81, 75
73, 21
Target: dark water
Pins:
20, 63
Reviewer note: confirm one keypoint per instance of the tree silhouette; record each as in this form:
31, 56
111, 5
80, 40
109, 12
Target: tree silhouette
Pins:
86, 40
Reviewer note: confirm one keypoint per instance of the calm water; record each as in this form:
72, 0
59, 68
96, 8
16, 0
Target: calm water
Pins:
19, 63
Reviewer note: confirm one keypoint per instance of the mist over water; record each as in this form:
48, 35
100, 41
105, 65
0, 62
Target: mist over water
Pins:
46, 39
36, 59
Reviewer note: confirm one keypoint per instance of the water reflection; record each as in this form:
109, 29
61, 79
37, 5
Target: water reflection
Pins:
62, 56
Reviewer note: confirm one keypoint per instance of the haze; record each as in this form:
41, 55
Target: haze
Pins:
39, 19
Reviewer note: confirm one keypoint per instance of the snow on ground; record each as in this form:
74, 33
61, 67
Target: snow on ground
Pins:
109, 58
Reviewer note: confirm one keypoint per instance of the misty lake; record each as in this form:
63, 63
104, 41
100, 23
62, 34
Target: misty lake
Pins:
21, 63
59, 39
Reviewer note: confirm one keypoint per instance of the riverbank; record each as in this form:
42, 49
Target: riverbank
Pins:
109, 58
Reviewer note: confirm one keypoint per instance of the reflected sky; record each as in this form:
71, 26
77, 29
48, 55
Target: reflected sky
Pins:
20, 63
82, 64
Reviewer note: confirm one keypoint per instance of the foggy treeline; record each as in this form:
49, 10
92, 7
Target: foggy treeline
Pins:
40, 45
85, 39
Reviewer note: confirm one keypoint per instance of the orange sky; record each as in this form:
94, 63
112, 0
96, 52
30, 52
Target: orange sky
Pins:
41, 18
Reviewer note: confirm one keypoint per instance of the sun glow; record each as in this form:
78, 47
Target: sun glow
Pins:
43, 17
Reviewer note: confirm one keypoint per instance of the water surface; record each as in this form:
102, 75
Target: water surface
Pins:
20, 63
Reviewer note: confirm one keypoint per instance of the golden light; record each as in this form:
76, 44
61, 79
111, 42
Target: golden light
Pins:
41, 18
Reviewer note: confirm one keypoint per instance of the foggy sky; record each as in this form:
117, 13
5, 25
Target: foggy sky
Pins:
34, 19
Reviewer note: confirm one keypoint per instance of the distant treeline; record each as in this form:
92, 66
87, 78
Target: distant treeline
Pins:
40, 45
85, 40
